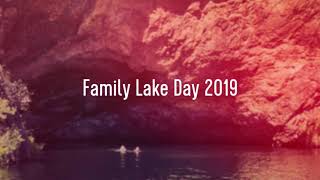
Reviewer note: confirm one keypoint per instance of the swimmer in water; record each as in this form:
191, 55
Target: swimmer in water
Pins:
137, 150
122, 149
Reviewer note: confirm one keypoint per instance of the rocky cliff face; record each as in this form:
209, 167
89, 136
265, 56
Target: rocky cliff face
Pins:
271, 47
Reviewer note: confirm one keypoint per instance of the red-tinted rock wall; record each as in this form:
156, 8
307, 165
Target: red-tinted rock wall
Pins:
270, 47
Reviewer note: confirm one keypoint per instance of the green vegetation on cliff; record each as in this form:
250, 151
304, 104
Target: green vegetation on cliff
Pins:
15, 140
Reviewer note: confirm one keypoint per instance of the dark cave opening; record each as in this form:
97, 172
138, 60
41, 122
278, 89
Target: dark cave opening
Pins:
60, 114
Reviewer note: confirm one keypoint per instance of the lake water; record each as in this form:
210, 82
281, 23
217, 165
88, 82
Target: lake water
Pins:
180, 162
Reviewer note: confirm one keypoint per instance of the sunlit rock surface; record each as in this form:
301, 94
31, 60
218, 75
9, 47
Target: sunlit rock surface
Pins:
270, 47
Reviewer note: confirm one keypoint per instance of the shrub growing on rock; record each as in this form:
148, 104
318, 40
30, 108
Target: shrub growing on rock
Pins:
15, 139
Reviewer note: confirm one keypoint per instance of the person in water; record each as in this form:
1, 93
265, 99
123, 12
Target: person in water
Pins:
137, 150
122, 149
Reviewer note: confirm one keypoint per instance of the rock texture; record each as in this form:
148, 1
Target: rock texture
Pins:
271, 47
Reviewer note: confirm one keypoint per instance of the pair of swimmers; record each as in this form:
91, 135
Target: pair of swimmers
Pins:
124, 150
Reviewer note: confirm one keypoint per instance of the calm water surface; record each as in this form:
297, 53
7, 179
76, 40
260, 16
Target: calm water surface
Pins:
183, 162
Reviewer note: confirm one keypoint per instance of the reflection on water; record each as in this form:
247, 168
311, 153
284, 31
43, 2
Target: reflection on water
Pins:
172, 163
279, 165
137, 160
5, 174
122, 160
188, 173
